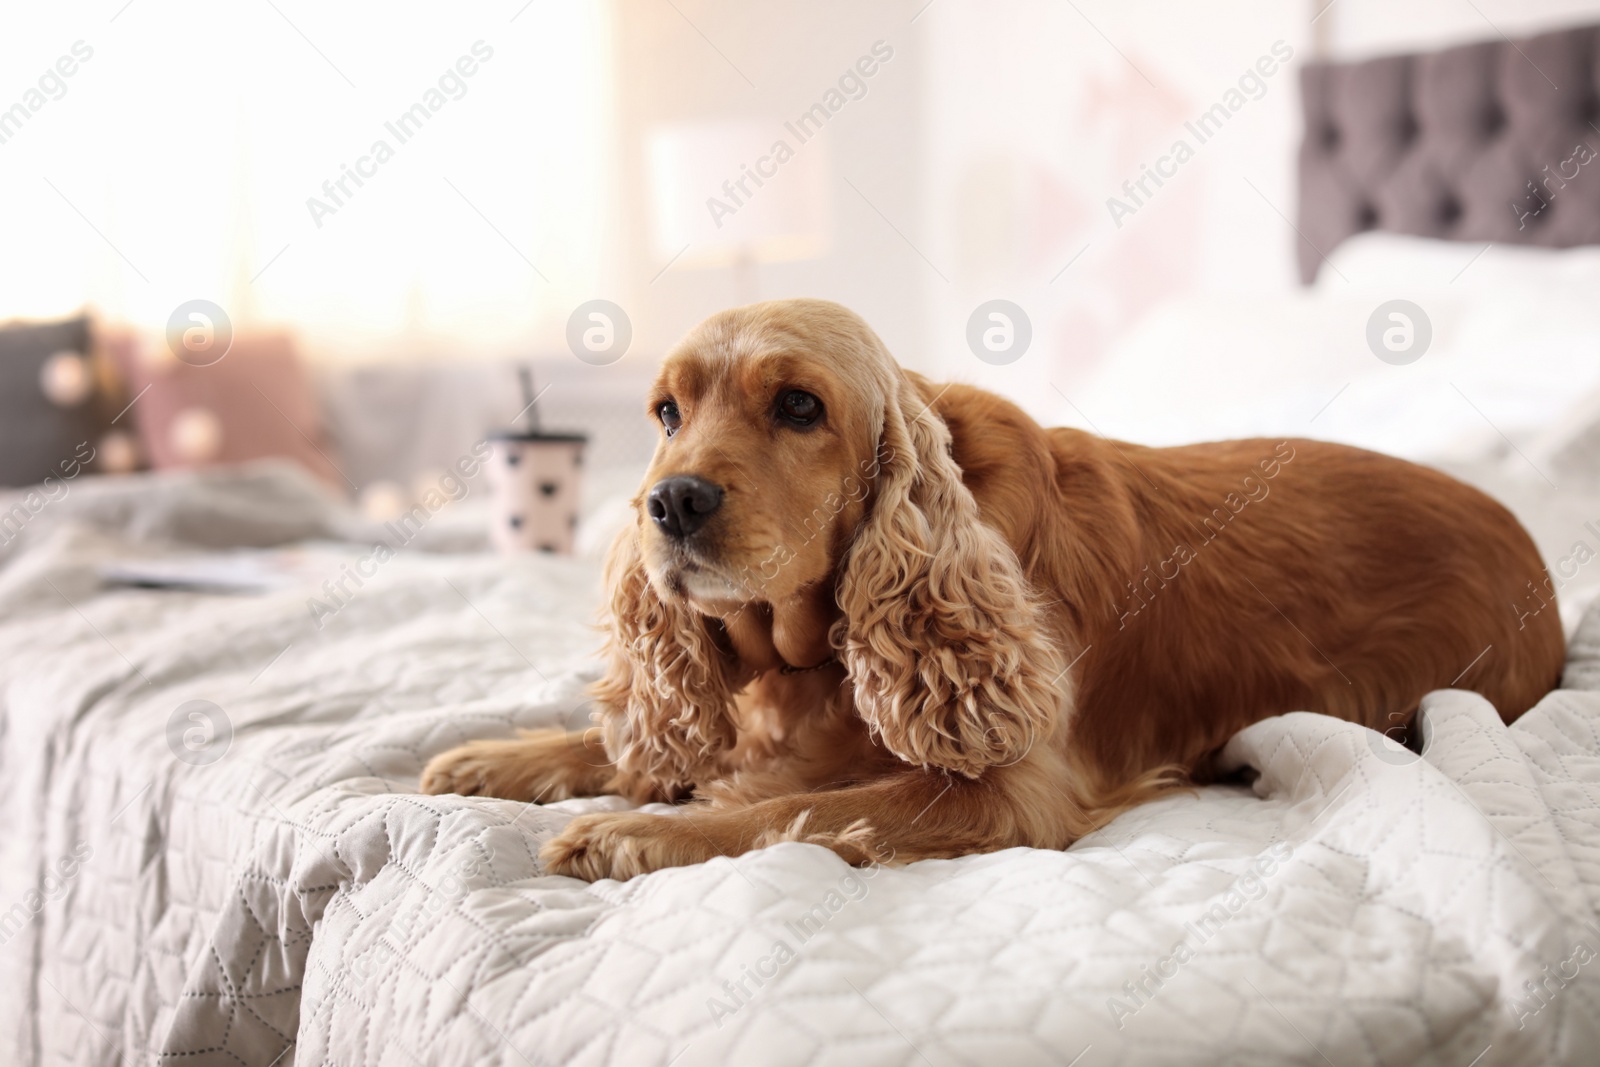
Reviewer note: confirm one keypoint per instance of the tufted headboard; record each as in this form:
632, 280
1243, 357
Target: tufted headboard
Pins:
1497, 142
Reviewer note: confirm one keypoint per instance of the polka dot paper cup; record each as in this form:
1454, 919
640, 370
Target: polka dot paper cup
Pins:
534, 482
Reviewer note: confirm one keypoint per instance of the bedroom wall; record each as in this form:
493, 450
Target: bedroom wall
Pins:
1039, 113
980, 163
1373, 27
700, 61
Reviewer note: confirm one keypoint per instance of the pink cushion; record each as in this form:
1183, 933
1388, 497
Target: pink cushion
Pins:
254, 403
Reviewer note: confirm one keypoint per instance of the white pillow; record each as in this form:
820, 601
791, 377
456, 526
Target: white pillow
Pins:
1380, 260
1514, 343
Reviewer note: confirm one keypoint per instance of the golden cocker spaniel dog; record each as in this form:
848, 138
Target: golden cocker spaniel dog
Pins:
902, 620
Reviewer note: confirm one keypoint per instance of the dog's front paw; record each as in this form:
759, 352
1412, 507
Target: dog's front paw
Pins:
541, 765
622, 845
473, 769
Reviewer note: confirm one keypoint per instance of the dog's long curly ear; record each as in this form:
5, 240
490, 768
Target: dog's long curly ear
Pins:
942, 636
667, 693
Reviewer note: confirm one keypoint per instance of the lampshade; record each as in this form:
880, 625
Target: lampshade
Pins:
741, 189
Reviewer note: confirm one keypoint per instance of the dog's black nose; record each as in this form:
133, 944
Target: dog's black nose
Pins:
681, 505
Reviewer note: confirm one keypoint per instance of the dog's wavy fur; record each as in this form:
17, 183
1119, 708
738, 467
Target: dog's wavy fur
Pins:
925, 626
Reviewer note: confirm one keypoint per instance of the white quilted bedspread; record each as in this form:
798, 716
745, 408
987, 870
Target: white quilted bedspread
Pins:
296, 902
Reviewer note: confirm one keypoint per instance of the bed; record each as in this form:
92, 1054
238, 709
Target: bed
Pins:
263, 884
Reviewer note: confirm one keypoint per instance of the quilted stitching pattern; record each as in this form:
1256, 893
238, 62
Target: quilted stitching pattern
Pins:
296, 902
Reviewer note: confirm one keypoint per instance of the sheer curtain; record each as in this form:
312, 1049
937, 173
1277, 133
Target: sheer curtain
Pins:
381, 177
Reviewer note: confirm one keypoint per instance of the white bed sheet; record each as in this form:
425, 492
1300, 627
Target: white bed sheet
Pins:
296, 902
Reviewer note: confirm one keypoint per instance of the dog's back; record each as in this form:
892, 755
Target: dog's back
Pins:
1210, 586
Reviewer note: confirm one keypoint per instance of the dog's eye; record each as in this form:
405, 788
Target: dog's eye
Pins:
667, 412
799, 407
